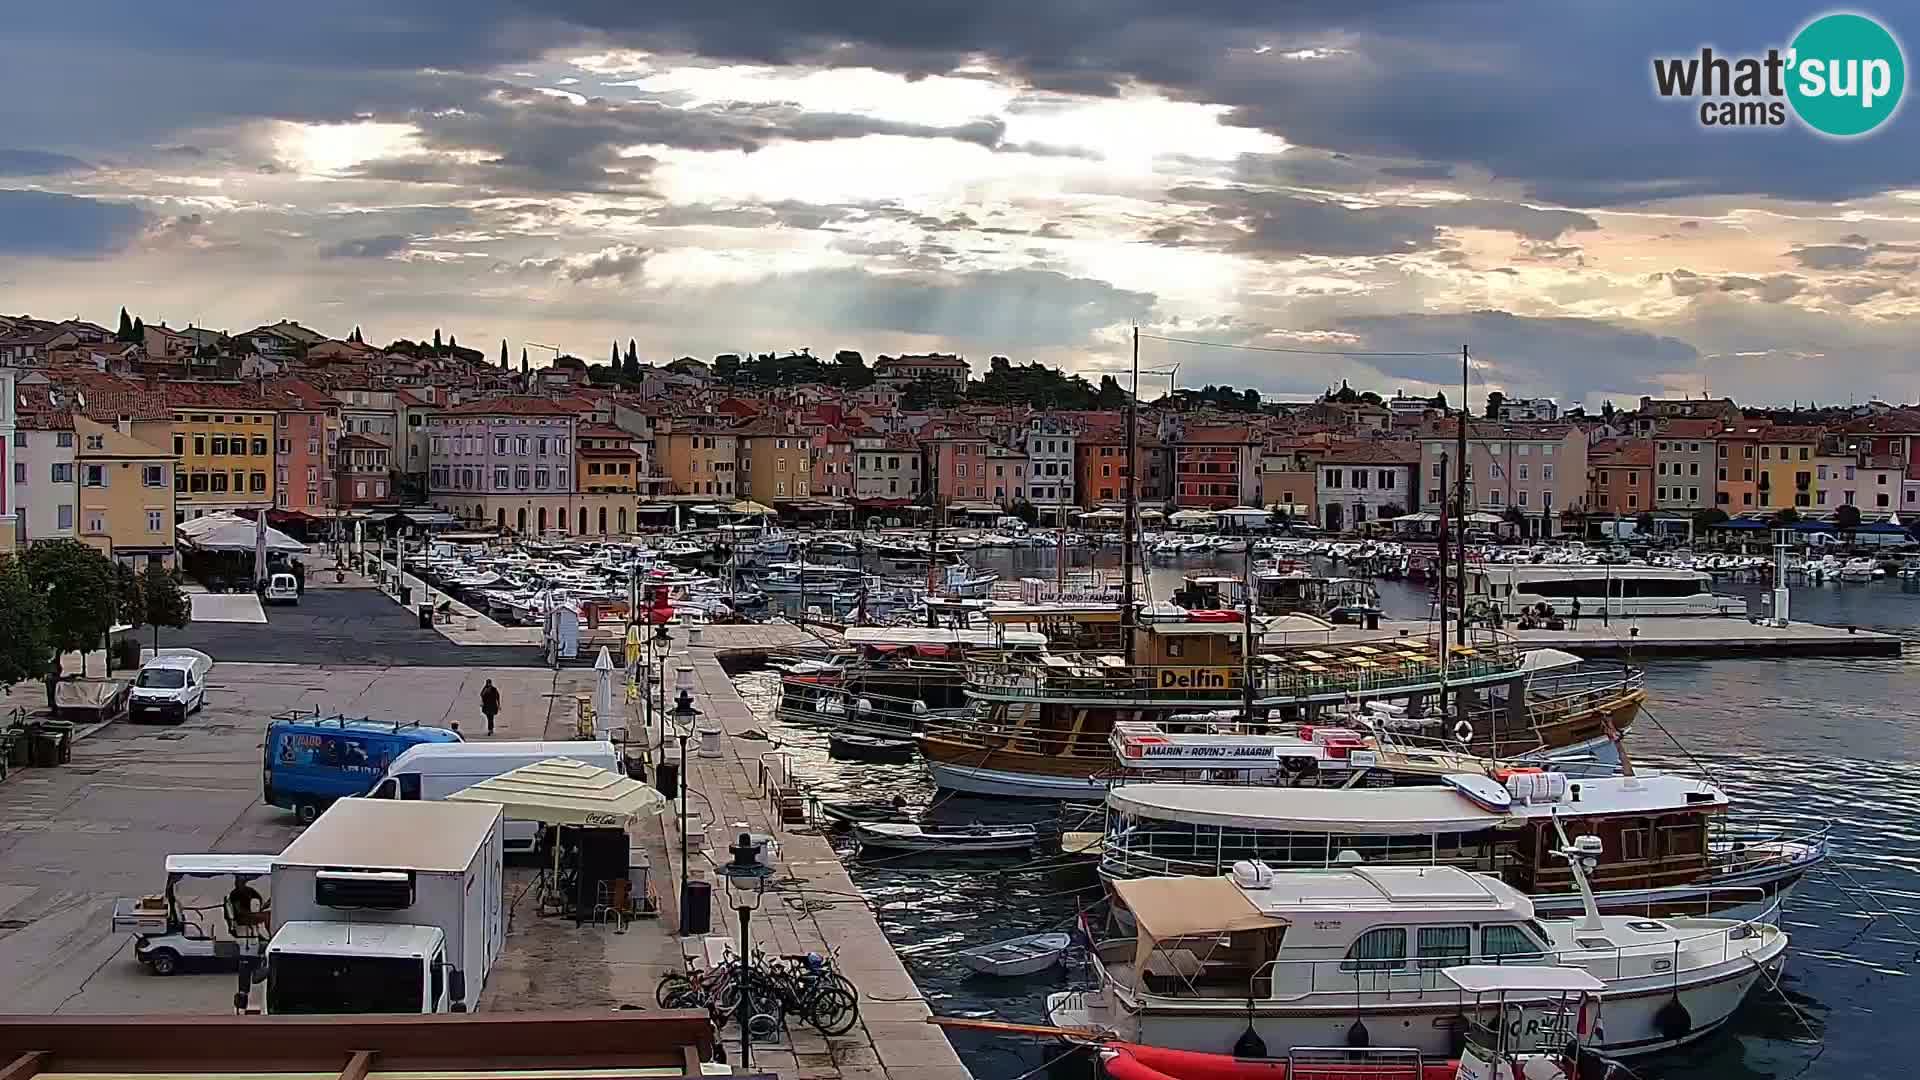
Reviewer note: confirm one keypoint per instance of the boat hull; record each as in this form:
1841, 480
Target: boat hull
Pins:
1010, 783
1631, 1015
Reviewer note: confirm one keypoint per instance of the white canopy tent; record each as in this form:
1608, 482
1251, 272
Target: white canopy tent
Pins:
230, 532
1239, 512
562, 791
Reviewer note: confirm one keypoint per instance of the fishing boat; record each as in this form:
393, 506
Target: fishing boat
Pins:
849, 747
1675, 850
889, 679
945, 839
847, 814
1029, 955
1330, 957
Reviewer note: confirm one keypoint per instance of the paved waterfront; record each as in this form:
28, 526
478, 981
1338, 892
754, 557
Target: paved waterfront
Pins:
75, 838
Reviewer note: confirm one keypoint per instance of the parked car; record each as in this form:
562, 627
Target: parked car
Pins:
281, 589
172, 684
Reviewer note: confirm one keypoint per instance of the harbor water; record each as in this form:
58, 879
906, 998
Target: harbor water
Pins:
1795, 742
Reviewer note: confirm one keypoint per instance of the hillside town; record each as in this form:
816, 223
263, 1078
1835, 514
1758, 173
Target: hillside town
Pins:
115, 436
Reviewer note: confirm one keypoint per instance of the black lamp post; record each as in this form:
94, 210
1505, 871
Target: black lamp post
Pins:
746, 882
683, 717
658, 647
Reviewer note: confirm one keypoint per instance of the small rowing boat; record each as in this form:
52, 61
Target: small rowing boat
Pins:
1013, 957
948, 839
869, 748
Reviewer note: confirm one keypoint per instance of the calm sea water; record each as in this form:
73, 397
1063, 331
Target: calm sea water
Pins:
1797, 743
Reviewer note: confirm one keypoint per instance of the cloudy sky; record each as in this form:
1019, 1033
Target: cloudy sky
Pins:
1027, 177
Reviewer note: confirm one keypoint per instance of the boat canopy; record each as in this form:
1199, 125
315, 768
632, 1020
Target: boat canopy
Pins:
1166, 908
876, 636
1387, 811
220, 865
1522, 978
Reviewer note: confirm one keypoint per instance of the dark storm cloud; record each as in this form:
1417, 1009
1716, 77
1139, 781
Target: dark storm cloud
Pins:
1547, 96
38, 163
43, 223
366, 247
1270, 223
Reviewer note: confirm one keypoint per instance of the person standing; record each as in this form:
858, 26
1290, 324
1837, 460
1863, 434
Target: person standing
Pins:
490, 703
1573, 619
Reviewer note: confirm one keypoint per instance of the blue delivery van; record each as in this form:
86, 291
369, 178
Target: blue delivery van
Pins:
310, 760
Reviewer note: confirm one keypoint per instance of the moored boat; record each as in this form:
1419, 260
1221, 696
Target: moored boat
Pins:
847, 747
946, 839
1014, 957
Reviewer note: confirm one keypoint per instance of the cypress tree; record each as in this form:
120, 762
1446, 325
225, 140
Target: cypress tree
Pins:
503, 354
139, 330
126, 326
436, 341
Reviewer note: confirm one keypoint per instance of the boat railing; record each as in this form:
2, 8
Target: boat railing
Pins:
1743, 851
1176, 853
1274, 682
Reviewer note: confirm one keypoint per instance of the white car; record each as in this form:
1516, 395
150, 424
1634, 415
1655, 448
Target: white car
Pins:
172, 684
281, 589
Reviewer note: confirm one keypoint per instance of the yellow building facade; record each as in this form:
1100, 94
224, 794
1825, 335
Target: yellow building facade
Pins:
126, 492
700, 461
224, 458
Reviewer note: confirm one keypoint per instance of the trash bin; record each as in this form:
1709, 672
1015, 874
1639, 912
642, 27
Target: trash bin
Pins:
406, 594
667, 779
426, 614
1373, 620
696, 908
51, 743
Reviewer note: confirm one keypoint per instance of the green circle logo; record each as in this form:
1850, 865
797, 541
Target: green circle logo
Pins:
1847, 75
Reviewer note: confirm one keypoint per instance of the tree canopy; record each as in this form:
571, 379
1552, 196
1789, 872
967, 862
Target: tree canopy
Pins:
23, 625
1495, 399
1035, 384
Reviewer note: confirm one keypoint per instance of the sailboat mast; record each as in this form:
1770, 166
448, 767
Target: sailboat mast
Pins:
1460, 566
1126, 542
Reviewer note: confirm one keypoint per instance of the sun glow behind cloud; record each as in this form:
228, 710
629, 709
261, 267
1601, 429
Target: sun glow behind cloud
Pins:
332, 149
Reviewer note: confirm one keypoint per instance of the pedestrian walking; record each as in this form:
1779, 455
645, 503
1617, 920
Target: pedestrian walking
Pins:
1573, 615
490, 703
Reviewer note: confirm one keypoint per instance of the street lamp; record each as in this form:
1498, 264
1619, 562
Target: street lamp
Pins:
661, 645
746, 878
683, 717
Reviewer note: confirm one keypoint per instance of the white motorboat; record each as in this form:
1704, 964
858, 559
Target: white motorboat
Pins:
1328, 957
946, 839
1029, 955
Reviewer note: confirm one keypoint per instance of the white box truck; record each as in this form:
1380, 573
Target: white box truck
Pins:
433, 771
382, 906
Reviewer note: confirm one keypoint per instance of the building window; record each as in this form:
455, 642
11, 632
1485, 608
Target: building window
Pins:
156, 520
63, 518
257, 483
95, 476
63, 439
259, 446
152, 476
62, 472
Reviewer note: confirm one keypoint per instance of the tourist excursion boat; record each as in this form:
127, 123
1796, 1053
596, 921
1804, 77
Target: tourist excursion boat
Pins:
1674, 850
1044, 721
1625, 591
889, 679
1355, 955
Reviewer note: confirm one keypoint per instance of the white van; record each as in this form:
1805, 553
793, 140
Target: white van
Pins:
173, 683
281, 589
432, 771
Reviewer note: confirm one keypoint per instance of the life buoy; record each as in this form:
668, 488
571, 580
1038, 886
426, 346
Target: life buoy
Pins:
1462, 731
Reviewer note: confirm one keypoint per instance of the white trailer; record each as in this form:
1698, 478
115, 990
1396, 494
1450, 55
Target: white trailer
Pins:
428, 872
433, 771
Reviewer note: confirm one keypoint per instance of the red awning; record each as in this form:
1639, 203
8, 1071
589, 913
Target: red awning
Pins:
930, 650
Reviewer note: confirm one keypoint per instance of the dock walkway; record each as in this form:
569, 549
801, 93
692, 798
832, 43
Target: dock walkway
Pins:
810, 905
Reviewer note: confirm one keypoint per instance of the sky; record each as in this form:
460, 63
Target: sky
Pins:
1385, 181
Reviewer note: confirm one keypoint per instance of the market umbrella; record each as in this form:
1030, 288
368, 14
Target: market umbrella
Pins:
748, 506
603, 694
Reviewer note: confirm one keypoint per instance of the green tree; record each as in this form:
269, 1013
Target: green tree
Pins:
1707, 517
163, 600
139, 330
1515, 516
453, 343
1495, 399
613, 359
1438, 401
23, 625
726, 367
125, 333
850, 371
929, 390
436, 341
632, 370
1606, 410
77, 585
503, 354
523, 361
1786, 518
1109, 397
1847, 519
1026, 511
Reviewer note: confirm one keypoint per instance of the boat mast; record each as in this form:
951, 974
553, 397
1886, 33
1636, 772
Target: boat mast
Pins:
1440, 586
933, 530
1126, 542
1460, 567
1247, 640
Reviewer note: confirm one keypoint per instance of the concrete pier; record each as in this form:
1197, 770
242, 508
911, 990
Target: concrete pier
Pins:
1704, 636
810, 904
